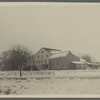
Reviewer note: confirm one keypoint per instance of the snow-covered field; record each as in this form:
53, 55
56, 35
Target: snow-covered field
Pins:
61, 82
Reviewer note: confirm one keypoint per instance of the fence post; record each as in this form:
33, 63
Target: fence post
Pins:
20, 71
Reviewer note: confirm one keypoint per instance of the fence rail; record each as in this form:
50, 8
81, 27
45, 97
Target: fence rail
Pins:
38, 73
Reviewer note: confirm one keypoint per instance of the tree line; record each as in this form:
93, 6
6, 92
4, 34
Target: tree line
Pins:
16, 58
19, 57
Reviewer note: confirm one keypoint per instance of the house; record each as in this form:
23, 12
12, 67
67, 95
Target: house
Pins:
82, 64
62, 61
41, 58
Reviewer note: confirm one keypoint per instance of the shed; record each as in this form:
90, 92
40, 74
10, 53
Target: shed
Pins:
94, 65
79, 64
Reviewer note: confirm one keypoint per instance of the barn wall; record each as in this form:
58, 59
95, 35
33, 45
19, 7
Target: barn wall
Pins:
57, 63
69, 58
80, 66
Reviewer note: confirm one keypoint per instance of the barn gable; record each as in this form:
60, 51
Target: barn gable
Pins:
62, 61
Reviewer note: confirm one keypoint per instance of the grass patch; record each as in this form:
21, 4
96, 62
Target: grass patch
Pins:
7, 92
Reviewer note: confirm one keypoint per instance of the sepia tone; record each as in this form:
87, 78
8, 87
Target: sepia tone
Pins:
49, 49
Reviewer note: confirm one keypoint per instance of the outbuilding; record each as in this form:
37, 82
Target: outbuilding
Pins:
94, 65
82, 64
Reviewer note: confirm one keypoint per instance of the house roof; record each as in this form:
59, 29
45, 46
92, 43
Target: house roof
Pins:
61, 54
52, 51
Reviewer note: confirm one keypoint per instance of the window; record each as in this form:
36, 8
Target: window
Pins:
36, 61
41, 61
41, 66
42, 56
47, 55
45, 61
42, 51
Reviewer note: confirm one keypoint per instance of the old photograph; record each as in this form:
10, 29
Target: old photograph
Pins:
49, 49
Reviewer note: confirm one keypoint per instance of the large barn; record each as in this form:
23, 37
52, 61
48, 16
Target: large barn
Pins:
62, 61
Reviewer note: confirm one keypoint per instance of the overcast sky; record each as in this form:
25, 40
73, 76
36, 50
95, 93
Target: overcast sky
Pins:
67, 26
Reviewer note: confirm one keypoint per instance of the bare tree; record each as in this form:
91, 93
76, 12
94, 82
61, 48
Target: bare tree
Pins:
5, 59
17, 57
86, 57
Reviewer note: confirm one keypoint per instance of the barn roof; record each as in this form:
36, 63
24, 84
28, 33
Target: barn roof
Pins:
77, 62
82, 60
93, 63
57, 55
